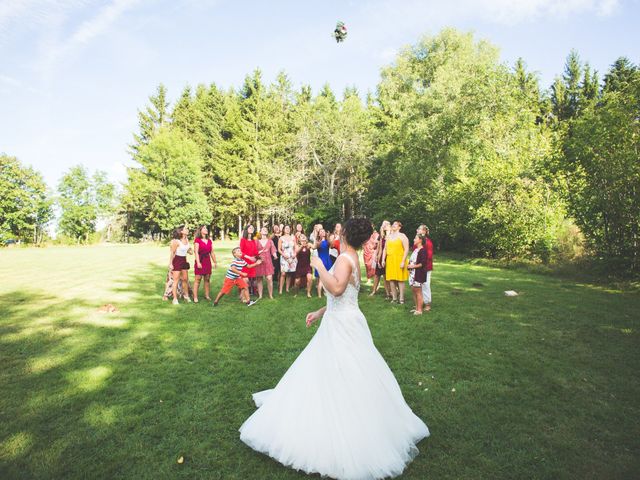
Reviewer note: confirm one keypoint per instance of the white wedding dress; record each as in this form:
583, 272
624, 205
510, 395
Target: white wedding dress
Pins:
338, 411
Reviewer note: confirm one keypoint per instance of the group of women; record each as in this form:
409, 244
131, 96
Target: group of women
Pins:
286, 260
388, 255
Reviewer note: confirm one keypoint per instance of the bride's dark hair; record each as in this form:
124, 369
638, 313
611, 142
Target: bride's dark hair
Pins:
357, 230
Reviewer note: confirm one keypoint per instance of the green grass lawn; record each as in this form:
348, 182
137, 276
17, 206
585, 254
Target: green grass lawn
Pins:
543, 385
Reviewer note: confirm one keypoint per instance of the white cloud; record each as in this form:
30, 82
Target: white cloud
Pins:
54, 51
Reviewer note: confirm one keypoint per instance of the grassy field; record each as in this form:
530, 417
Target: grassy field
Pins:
543, 385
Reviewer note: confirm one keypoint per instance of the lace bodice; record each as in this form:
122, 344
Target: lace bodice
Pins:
349, 298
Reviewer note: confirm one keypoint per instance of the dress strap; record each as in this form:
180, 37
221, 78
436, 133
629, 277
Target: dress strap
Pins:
354, 268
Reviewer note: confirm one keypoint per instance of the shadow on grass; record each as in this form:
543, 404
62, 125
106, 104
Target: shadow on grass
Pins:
541, 382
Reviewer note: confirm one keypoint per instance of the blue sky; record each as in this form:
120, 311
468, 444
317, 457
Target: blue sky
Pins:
73, 73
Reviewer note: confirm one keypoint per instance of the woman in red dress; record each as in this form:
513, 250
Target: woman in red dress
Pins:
267, 253
203, 247
249, 249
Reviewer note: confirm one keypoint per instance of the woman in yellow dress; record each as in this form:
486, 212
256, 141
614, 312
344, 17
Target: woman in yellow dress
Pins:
396, 250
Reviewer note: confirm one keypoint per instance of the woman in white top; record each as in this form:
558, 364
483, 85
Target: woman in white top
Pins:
288, 260
178, 262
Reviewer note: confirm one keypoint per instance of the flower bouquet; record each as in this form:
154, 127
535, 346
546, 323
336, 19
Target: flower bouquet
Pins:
340, 33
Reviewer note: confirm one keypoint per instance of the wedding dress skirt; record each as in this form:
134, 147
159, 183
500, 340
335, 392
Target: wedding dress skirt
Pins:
338, 410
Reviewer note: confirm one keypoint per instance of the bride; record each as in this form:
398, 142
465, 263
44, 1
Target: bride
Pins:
338, 411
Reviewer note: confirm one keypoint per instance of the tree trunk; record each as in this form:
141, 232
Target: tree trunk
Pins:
239, 226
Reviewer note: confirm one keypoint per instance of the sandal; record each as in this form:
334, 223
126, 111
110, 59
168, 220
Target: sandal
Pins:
417, 313
195, 300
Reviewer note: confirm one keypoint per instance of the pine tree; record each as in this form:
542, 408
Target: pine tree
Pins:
622, 73
151, 119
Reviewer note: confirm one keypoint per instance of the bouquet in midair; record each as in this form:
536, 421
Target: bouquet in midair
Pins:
340, 33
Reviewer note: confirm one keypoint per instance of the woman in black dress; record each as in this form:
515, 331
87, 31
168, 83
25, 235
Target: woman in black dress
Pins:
275, 236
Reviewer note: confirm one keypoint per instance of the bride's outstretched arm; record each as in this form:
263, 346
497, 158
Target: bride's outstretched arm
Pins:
313, 316
335, 283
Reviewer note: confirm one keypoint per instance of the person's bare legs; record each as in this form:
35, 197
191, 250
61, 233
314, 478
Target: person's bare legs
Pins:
282, 275
309, 284
174, 288
244, 293
401, 289
288, 282
393, 287
269, 286
196, 286
220, 295
376, 282
387, 287
419, 301
185, 284
260, 286
319, 283
207, 287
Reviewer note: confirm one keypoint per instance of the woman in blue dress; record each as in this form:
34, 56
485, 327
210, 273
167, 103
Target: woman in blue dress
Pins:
321, 248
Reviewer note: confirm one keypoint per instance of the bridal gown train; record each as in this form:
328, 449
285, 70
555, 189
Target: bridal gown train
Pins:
338, 410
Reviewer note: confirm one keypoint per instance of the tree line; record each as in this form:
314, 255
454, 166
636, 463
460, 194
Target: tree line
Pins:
494, 163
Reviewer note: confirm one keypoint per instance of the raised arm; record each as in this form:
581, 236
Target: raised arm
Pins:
335, 283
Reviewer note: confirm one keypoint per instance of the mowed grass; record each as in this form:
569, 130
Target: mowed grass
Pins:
543, 385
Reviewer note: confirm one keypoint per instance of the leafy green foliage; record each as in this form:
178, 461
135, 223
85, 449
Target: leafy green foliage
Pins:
165, 190
25, 207
603, 170
79, 212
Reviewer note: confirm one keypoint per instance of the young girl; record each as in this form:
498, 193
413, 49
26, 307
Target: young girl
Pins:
179, 249
288, 261
205, 257
418, 271
303, 267
267, 253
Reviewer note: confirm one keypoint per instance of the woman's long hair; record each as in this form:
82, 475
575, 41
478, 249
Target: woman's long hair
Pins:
383, 232
199, 231
177, 233
245, 232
